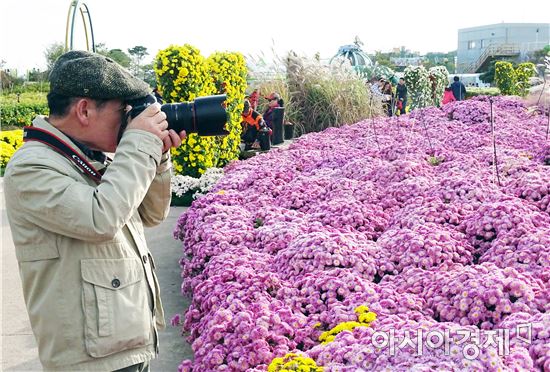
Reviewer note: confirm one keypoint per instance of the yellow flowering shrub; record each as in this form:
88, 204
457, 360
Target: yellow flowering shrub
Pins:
293, 362
524, 71
505, 77
364, 319
513, 81
10, 141
183, 74
229, 72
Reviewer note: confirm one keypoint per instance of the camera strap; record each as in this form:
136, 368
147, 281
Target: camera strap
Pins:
47, 138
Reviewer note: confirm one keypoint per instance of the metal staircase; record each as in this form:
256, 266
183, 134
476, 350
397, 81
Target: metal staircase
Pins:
491, 52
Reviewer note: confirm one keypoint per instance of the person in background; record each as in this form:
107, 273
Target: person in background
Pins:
252, 122
273, 101
77, 218
253, 99
448, 96
401, 93
376, 87
387, 100
459, 90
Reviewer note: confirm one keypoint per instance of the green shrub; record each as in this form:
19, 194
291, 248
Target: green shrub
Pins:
478, 91
21, 114
30, 87
28, 97
513, 81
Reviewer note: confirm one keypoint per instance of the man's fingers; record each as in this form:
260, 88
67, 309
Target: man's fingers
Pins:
167, 143
176, 140
161, 115
163, 135
152, 110
171, 140
163, 125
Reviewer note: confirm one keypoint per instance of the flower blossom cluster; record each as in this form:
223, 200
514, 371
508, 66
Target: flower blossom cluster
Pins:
199, 186
409, 216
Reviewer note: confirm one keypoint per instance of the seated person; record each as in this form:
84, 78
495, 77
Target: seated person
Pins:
273, 101
252, 122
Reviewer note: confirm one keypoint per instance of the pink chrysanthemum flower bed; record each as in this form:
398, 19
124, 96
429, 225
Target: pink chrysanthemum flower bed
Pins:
410, 222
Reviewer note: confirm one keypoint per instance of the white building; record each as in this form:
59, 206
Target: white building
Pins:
478, 46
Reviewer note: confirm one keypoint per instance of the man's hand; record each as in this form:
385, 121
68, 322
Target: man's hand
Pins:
151, 120
173, 139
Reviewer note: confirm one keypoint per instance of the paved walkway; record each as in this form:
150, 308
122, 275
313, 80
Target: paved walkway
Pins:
19, 351
18, 347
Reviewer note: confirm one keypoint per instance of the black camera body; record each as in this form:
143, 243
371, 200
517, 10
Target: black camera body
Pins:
205, 116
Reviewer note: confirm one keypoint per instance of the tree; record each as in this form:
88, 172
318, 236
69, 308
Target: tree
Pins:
433, 59
404, 52
120, 57
149, 74
489, 75
52, 53
539, 55
36, 75
101, 48
383, 59
138, 53
117, 55
6, 81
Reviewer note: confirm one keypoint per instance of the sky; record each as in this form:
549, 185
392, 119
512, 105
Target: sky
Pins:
257, 29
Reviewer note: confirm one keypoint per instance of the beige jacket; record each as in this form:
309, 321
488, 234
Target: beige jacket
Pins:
88, 277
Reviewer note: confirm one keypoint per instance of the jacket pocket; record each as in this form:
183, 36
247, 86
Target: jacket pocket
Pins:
116, 306
37, 252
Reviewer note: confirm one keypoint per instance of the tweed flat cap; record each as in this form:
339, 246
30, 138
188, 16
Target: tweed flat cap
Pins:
84, 74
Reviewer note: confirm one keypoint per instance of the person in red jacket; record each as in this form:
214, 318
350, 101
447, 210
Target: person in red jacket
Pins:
252, 122
448, 96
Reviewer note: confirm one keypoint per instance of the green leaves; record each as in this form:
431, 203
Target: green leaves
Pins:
258, 222
513, 81
435, 161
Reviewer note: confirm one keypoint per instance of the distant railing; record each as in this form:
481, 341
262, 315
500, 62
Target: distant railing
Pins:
491, 51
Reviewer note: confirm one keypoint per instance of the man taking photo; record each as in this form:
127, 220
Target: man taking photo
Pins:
77, 218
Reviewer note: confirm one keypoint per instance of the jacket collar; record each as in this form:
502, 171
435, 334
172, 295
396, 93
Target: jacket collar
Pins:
96, 158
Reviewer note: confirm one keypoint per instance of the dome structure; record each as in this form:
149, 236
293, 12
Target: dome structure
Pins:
354, 54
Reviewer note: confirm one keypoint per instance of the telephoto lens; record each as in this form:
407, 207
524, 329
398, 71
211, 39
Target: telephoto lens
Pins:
205, 116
